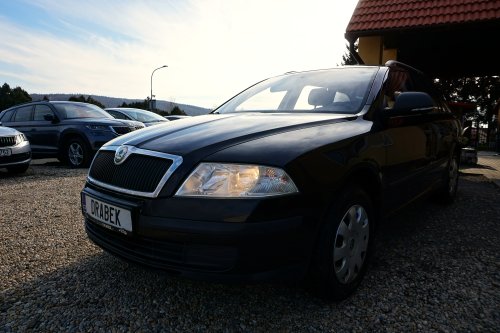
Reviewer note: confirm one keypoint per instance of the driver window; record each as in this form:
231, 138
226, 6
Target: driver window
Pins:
41, 111
398, 81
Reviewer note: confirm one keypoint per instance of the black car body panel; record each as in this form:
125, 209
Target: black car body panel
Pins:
396, 155
212, 133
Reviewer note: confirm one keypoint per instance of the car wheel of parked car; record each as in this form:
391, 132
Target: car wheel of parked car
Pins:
77, 153
344, 246
18, 168
448, 191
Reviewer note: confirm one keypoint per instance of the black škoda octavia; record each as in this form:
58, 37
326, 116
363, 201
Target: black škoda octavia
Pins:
285, 180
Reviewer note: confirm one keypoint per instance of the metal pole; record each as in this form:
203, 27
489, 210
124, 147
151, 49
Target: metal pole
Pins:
151, 97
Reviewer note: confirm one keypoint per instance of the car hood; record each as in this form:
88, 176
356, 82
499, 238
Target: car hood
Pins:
7, 131
215, 132
155, 122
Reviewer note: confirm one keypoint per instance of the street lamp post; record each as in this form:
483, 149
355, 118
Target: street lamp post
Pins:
151, 100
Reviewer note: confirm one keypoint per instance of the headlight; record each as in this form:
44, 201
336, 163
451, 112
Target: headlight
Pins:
98, 127
236, 181
20, 138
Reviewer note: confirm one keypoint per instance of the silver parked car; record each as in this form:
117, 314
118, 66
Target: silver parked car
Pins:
15, 150
148, 118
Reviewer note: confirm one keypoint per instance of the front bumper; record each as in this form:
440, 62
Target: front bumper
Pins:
98, 138
20, 154
202, 248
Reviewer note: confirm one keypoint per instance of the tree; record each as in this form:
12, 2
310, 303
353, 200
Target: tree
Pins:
144, 105
10, 97
483, 91
89, 100
348, 58
177, 111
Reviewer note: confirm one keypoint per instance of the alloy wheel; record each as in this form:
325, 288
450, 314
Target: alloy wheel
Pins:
75, 154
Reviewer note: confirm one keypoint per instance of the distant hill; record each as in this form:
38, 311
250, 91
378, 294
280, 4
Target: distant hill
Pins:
111, 102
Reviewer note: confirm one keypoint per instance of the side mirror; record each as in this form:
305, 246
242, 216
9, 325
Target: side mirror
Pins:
0, 123
49, 117
413, 101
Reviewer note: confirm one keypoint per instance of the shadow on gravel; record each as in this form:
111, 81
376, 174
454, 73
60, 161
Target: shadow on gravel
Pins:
35, 164
56, 170
475, 166
435, 268
4, 174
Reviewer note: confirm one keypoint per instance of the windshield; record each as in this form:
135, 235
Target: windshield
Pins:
142, 115
80, 110
339, 90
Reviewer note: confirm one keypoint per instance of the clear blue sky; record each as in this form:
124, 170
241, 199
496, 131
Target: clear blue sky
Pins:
213, 48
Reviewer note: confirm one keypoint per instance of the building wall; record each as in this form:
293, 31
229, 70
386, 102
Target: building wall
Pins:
371, 49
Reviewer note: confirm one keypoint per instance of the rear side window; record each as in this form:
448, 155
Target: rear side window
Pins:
6, 115
23, 113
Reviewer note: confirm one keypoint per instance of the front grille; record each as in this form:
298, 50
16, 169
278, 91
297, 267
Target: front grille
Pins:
7, 141
122, 129
15, 158
141, 173
163, 254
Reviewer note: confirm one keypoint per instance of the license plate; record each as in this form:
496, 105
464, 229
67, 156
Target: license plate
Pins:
5, 152
109, 215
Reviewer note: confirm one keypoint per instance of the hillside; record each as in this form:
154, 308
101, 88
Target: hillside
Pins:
110, 102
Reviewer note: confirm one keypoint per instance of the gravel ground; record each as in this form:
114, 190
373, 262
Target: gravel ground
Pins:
436, 269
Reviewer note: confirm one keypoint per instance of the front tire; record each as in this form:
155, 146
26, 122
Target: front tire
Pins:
77, 153
344, 247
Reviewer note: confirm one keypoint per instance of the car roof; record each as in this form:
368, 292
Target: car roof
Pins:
43, 102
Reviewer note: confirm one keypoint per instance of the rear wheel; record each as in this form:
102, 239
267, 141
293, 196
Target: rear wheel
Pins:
345, 243
77, 153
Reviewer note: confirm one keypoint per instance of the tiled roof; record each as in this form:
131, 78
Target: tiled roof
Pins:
397, 14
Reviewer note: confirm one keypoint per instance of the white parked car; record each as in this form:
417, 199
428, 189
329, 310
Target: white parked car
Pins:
15, 150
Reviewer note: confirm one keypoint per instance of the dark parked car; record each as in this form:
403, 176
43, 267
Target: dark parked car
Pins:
287, 179
148, 118
70, 131
15, 151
